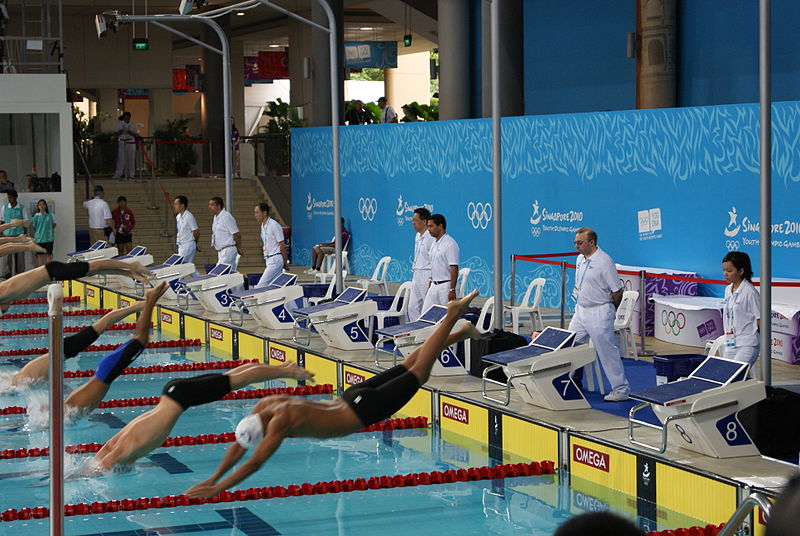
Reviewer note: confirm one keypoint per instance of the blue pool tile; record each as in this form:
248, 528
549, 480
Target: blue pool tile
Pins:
169, 463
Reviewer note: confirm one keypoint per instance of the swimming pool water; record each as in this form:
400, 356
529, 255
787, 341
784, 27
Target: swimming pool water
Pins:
524, 505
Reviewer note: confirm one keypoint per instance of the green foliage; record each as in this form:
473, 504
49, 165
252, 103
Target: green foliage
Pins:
177, 157
373, 112
284, 117
83, 128
368, 75
415, 111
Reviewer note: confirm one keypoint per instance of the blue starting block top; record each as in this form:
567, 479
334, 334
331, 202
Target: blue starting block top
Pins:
171, 261
549, 340
350, 295
220, 269
431, 317
283, 280
138, 251
94, 247
713, 372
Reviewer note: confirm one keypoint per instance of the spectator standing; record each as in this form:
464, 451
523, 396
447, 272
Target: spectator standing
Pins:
5, 184
422, 262
444, 254
357, 115
274, 246
598, 293
13, 210
188, 233
44, 224
126, 133
124, 222
388, 115
237, 161
99, 216
225, 235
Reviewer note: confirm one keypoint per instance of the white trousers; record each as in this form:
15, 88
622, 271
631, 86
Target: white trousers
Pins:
597, 324
126, 159
187, 250
273, 270
742, 353
436, 295
419, 287
227, 256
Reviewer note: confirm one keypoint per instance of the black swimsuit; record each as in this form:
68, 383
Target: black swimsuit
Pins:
381, 396
198, 390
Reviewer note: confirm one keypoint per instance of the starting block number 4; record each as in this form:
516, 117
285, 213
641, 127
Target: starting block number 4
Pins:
282, 314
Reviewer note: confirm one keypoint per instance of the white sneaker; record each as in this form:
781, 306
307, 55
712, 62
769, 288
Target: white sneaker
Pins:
616, 396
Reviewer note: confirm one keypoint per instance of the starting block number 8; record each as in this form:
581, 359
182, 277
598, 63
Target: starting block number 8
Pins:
732, 431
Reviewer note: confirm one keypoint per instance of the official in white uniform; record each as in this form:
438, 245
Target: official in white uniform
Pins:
127, 133
598, 292
444, 255
99, 215
741, 309
422, 262
225, 235
188, 232
274, 247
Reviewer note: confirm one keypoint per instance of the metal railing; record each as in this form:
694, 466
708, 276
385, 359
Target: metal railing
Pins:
171, 158
272, 153
744, 510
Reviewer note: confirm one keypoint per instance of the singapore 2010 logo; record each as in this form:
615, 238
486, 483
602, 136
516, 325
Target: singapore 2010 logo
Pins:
479, 214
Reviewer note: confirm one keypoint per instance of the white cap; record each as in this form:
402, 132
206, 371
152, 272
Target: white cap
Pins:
249, 431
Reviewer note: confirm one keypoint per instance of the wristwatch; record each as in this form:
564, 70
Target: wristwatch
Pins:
452, 290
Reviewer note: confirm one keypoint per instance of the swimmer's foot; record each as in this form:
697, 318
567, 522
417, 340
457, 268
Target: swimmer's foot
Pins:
459, 307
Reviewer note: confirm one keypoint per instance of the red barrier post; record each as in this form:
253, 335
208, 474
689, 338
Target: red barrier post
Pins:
563, 293
513, 279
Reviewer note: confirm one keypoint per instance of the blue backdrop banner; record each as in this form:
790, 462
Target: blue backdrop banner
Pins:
673, 188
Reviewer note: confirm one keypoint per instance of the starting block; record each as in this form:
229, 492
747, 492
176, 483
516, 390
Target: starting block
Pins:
172, 271
702, 409
337, 322
211, 289
138, 254
98, 250
405, 338
267, 304
540, 372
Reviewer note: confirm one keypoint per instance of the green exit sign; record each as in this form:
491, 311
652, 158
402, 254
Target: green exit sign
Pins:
140, 43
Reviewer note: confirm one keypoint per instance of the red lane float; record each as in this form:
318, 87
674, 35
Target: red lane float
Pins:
84, 312
295, 490
708, 530
204, 439
125, 326
244, 394
179, 343
173, 367
40, 301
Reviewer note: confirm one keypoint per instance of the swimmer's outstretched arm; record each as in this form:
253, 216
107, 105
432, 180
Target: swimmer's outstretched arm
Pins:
14, 223
277, 430
19, 247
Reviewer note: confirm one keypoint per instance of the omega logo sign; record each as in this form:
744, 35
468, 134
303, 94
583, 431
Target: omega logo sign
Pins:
277, 354
166, 318
455, 413
89, 292
592, 458
124, 303
351, 378
215, 333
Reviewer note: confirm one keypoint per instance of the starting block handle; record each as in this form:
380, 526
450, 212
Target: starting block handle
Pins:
505, 385
632, 422
378, 351
236, 306
336, 318
167, 276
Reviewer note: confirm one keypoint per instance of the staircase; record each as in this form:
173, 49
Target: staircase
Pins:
151, 224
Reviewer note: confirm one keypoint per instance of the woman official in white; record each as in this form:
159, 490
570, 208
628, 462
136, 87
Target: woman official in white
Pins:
274, 246
741, 309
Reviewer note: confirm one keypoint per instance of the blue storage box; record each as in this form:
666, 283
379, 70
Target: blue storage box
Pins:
671, 367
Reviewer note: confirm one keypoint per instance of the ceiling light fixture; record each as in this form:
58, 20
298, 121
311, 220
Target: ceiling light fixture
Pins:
366, 28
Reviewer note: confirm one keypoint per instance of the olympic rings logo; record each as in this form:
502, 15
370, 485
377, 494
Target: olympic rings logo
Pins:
732, 245
673, 323
368, 207
479, 214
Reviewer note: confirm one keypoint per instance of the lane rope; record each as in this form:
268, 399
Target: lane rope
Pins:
172, 367
178, 343
80, 312
40, 301
124, 326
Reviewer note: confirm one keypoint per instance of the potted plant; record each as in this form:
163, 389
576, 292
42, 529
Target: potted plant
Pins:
179, 157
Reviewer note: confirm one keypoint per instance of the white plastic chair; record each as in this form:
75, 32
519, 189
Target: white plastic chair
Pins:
378, 277
328, 259
328, 293
461, 283
529, 306
623, 322
483, 324
329, 268
716, 347
398, 308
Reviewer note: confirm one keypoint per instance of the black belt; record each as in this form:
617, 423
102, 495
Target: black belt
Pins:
440, 282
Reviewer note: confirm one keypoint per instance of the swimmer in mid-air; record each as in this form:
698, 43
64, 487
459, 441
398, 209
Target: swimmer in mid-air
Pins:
35, 372
19, 286
277, 417
149, 430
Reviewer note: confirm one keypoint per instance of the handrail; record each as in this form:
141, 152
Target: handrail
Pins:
738, 517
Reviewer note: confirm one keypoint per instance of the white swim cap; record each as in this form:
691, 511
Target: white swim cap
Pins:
249, 431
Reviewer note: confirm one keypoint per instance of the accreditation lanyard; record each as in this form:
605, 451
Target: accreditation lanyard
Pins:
577, 289
434, 253
728, 306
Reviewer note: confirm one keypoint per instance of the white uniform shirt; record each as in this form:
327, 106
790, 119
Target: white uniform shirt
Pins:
387, 114
422, 251
741, 310
595, 279
99, 212
271, 236
186, 226
222, 230
444, 253
129, 130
